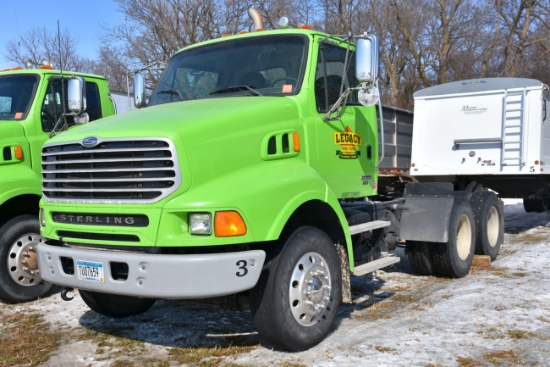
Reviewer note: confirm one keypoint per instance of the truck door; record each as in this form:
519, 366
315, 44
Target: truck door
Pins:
51, 109
346, 147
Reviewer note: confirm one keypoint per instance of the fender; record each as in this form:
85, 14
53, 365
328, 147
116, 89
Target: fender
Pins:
245, 191
21, 181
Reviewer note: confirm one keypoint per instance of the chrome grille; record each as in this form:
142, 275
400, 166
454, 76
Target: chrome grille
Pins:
113, 171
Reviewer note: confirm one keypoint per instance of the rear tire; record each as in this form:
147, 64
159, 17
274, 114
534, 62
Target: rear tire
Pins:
489, 216
295, 302
421, 257
112, 305
454, 258
20, 280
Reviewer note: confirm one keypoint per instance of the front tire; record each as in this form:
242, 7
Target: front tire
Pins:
113, 305
295, 302
20, 280
489, 217
454, 258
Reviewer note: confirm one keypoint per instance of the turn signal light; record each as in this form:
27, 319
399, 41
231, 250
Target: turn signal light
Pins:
18, 152
229, 223
296, 141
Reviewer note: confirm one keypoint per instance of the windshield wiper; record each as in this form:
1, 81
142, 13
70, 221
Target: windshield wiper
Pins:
236, 88
172, 91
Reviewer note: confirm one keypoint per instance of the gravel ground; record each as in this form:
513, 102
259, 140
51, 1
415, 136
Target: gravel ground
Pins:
496, 316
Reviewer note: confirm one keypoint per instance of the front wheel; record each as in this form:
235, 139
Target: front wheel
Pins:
20, 279
297, 297
454, 258
113, 305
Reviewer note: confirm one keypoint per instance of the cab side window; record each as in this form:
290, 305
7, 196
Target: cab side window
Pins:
93, 101
328, 77
52, 107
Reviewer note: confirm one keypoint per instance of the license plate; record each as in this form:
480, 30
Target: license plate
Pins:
90, 270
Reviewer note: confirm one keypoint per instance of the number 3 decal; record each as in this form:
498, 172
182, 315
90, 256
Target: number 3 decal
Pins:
242, 266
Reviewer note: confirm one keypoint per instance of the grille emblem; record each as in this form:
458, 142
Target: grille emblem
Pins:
90, 142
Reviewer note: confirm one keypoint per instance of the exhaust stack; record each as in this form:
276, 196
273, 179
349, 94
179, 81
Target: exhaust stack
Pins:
256, 19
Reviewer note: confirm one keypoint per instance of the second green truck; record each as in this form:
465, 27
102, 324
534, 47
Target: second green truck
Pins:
32, 106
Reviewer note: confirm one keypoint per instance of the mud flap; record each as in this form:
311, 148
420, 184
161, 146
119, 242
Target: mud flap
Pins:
427, 210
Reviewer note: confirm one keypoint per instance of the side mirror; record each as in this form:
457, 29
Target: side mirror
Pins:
139, 90
76, 95
367, 54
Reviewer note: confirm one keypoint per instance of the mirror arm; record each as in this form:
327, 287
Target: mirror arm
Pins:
61, 118
340, 102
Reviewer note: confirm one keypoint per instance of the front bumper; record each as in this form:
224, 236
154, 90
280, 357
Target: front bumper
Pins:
155, 275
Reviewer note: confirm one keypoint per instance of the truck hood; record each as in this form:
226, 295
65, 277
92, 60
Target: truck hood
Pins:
187, 118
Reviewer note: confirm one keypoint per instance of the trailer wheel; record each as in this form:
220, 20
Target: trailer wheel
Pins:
420, 257
112, 305
489, 218
454, 258
296, 299
20, 280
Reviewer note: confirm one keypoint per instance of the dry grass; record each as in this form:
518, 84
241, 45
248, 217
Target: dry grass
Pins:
143, 363
407, 298
377, 311
26, 339
516, 334
383, 349
504, 358
208, 357
469, 362
532, 237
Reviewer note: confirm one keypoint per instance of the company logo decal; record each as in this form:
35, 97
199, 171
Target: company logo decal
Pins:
90, 142
349, 143
473, 109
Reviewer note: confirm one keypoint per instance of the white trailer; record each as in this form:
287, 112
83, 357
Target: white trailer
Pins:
493, 132
124, 102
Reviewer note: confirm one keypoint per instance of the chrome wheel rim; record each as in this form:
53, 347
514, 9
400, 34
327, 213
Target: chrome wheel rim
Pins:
22, 260
310, 287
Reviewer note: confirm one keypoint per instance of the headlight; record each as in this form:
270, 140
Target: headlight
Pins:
42, 217
200, 223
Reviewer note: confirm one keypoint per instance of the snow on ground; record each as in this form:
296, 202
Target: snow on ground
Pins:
496, 316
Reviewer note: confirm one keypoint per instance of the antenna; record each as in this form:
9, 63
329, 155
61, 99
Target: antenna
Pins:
61, 74
52, 133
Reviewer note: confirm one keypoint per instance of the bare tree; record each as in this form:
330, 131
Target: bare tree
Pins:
114, 66
393, 51
40, 44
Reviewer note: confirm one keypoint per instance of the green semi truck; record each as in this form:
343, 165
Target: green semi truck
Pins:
31, 104
253, 170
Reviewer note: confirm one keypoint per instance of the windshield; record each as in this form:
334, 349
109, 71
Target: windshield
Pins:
16, 95
257, 66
